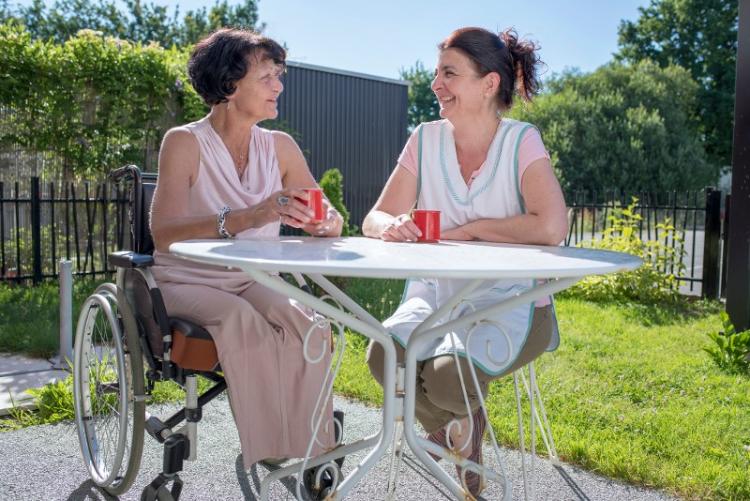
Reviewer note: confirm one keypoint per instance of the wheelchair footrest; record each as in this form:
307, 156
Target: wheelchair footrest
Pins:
156, 427
158, 491
176, 450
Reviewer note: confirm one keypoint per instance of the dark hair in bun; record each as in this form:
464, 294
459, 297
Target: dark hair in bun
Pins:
515, 60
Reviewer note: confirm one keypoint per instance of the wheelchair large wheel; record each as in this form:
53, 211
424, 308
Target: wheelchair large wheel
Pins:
108, 374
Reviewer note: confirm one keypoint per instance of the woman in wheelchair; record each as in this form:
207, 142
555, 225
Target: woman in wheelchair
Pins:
224, 176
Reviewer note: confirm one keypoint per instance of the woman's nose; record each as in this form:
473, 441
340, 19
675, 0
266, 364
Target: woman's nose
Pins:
436, 83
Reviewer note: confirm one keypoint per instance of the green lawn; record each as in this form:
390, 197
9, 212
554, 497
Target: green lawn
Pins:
30, 316
630, 393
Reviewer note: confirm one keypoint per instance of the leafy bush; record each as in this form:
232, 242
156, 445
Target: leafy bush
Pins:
731, 350
332, 184
96, 101
655, 281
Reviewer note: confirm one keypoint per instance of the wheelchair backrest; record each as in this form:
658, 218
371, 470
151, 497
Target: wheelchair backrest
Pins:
142, 197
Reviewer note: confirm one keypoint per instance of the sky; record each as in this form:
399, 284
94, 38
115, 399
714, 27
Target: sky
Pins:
381, 37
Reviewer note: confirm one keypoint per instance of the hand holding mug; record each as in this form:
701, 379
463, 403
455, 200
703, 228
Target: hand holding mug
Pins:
401, 229
290, 206
326, 220
421, 226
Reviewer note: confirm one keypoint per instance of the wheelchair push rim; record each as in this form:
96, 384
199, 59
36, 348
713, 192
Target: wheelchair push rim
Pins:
100, 390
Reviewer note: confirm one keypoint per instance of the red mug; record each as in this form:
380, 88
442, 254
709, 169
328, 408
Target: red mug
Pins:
315, 202
428, 222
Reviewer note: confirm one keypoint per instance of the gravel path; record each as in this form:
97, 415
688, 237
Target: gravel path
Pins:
44, 463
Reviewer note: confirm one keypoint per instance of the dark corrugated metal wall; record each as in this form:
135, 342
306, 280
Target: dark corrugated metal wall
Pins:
351, 122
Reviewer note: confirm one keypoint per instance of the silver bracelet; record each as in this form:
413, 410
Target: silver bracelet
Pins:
221, 220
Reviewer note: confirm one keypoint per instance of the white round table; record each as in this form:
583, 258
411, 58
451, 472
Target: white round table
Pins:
371, 258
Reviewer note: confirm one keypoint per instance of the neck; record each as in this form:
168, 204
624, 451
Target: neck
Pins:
475, 133
233, 128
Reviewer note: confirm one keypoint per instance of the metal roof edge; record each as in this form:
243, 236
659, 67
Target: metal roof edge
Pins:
348, 73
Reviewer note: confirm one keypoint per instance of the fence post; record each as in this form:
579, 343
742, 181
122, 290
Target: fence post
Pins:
711, 245
65, 356
36, 230
725, 245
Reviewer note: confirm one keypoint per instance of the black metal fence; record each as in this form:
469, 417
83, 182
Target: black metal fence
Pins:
41, 223
695, 215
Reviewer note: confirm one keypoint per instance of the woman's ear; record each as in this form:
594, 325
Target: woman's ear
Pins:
492, 83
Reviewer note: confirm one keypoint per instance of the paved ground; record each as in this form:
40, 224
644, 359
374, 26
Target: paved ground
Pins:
18, 373
44, 463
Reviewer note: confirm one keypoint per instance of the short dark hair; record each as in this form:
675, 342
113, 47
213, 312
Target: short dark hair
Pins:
514, 60
223, 57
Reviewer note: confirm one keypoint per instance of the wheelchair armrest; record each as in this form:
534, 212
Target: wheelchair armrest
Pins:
189, 329
130, 259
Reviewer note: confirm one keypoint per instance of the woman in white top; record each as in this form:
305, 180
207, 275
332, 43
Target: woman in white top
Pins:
491, 178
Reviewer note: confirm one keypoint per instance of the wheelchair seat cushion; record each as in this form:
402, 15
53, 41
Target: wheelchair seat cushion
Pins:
192, 346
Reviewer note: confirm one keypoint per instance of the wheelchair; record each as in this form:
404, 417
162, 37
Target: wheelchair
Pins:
126, 342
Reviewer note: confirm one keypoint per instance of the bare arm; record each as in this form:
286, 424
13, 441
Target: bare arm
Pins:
544, 223
171, 221
296, 174
389, 218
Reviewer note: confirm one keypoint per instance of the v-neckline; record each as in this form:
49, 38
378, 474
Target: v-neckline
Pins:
229, 154
457, 179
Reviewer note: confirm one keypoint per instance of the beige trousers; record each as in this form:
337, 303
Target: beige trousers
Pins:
272, 389
439, 397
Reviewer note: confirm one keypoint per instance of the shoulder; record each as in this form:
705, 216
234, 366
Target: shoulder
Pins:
180, 154
284, 144
428, 130
430, 126
524, 131
180, 139
280, 138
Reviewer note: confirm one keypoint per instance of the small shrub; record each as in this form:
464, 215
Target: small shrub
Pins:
332, 184
655, 281
54, 401
731, 349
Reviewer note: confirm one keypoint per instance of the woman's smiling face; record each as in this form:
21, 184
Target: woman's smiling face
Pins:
457, 85
256, 93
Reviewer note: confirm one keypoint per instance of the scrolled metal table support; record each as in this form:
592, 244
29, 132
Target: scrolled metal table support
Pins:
424, 335
361, 321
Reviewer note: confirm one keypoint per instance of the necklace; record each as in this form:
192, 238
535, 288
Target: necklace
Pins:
240, 161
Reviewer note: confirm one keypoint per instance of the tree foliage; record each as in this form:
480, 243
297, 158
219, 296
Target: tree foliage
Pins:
96, 101
423, 105
624, 126
701, 36
139, 21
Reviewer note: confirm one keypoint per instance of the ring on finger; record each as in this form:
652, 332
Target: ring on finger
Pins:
282, 200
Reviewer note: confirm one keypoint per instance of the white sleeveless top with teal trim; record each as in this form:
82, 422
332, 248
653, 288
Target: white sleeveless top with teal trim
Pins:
493, 194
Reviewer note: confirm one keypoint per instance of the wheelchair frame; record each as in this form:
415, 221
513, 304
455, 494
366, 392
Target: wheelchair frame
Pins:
111, 384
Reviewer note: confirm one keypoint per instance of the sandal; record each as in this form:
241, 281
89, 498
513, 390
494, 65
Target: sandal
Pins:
437, 437
473, 481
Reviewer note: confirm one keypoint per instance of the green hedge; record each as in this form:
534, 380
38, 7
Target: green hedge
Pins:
95, 101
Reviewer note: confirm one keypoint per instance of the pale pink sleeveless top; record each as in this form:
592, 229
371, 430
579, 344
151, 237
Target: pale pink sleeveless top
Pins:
218, 185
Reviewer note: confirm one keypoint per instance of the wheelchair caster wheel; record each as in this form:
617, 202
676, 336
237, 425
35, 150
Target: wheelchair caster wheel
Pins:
323, 490
325, 493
